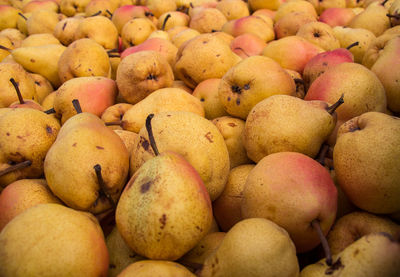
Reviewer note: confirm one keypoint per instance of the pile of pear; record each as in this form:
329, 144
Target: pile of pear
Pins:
200, 138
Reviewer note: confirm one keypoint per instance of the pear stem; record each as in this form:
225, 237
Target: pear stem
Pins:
113, 123
23, 16
395, 16
96, 13
114, 50
384, 2
332, 109
322, 154
5, 48
148, 14
114, 55
14, 167
103, 188
110, 13
150, 132
77, 106
165, 21
315, 224
352, 45
21, 100
50, 111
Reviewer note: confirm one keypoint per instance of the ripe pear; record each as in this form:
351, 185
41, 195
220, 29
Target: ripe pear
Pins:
373, 18
141, 73
183, 36
171, 127
320, 34
247, 45
22, 195
100, 7
65, 29
9, 16
34, 5
233, 9
337, 16
251, 248
251, 24
313, 197
72, 7
203, 57
43, 21
227, 207
388, 73
295, 6
73, 176
39, 39
363, 92
115, 113
232, 129
369, 180
348, 36
121, 256
353, 226
82, 58
136, 31
207, 93
277, 124
62, 242
16, 37
250, 81
290, 23
376, 254
207, 19
156, 268
25, 82
26, 135
100, 29
21, 22
172, 19
42, 86
128, 138
42, 60
161, 100
6, 42
164, 209
374, 50
261, 4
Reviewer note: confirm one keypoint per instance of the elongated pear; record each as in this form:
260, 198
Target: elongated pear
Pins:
41, 59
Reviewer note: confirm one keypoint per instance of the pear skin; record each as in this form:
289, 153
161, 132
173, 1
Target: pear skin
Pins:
156, 268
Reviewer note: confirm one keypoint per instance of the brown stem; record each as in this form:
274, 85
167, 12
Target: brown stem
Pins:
77, 106
165, 21
110, 13
96, 13
332, 109
352, 45
395, 16
322, 154
114, 56
150, 132
23, 16
21, 100
14, 167
102, 185
384, 2
315, 224
114, 50
50, 111
5, 48
114, 123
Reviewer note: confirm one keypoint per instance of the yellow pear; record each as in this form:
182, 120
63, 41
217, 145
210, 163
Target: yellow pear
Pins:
156, 268
177, 126
253, 247
43, 21
61, 242
42, 60
72, 7
114, 114
65, 29
161, 100
39, 39
15, 36
42, 86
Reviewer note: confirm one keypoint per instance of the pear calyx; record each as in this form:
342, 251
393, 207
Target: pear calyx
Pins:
328, 256
14, 167
332, 109
21, 100
102, 185
149, 130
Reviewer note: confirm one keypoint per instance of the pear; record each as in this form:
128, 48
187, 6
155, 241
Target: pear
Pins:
136, 31
82, 58
43, 21
65, 29
369, 180
100, 29
7, 46
157, 269
172, 19
394, 13
290, 23
374, 50
233, 9
203, 57
372, 255
121, 256
320, 34
42, 60
42, 86
100, 7
277, 124
207, 19
39, 39
251, 248
25, 82
159, 7
87, 182
26, 136
114, 114
9, 17
72, 7
251, 81
184, 35
375, 11
227, 207
16, 36
128, 138
141, 73
21, 195
232, 129
164, 209
203, 146
388, 75
62, 242
165, 99
354, 225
